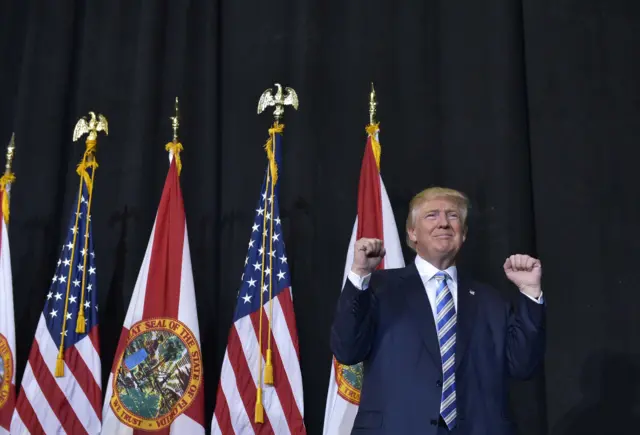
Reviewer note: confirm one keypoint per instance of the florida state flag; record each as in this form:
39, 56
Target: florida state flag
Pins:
7, 326
156, 382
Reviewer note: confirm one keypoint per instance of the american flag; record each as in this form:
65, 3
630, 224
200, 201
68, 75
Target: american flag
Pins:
70, 403
264, 304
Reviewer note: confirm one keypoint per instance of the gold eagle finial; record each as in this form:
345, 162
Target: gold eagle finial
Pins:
279, 100
93, 126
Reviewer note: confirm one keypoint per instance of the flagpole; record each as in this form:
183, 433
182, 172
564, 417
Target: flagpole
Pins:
8, 178
279, 101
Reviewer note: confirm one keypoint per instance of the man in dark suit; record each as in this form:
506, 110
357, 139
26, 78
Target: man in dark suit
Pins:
437, 346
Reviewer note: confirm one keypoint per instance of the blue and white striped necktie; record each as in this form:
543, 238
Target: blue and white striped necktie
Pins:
446, 326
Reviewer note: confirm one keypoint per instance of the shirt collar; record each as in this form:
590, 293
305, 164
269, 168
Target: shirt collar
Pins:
428, 270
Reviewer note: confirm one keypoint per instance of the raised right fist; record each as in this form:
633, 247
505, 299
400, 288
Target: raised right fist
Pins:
368, 253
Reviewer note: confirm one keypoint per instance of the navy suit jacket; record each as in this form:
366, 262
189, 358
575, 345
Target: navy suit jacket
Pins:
390, 328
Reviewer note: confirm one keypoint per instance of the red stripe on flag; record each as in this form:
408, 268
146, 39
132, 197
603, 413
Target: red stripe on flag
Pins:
370, 199
85, 379
222, 412
286, 303
165, 267
28, 417
280, 378
51, 391
7, 410
94, 336
244, 382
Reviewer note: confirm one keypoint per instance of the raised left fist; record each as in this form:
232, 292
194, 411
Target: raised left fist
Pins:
525, 272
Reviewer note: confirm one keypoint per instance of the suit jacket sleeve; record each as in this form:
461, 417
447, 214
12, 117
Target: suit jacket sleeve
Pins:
353, 326
526, 337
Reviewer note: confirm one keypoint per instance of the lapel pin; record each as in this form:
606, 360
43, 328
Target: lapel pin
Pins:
472, 292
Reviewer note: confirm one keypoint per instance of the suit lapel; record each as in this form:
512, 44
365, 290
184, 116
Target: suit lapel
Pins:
467, 308
420, 310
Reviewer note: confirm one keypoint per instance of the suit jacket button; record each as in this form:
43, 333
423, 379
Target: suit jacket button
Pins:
434, 422
438, 383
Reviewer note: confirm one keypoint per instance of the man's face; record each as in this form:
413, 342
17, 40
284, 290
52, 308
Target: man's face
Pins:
438, 230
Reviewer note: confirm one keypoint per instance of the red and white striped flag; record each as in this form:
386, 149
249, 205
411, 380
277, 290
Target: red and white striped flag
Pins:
374, 220
156, 383
61, 387
260, 389
7, 325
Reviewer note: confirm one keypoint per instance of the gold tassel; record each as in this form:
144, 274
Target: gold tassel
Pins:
5, 206
7, 178
80, 327
59, 365
175, 148
372, 129
268, 147
268, 369
259, 417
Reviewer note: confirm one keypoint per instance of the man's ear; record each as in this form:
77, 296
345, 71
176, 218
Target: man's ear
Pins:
411, 232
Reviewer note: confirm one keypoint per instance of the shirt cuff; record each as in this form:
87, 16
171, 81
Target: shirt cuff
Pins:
539, 300
359, 282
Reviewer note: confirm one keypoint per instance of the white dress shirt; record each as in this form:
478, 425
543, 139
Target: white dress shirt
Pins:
427, 273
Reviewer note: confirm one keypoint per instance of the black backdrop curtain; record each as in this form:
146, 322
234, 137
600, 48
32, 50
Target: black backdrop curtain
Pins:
531, 107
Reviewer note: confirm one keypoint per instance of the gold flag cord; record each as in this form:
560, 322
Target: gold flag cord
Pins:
268, 370
88, 161
259, 414
271, 180
84, 178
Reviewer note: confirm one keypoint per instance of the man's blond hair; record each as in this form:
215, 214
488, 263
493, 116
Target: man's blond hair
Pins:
460, 199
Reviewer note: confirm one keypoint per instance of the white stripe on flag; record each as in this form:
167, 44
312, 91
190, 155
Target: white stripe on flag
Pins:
215, 427
91, 358
17, 424
287, 352
136, 306
40, 405
68, 384
394, 258
187, 311
270, 400
110, 423
184, 424
237, 412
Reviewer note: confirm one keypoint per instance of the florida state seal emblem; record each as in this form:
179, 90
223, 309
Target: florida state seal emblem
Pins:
158, 375
349, 380
6, 370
